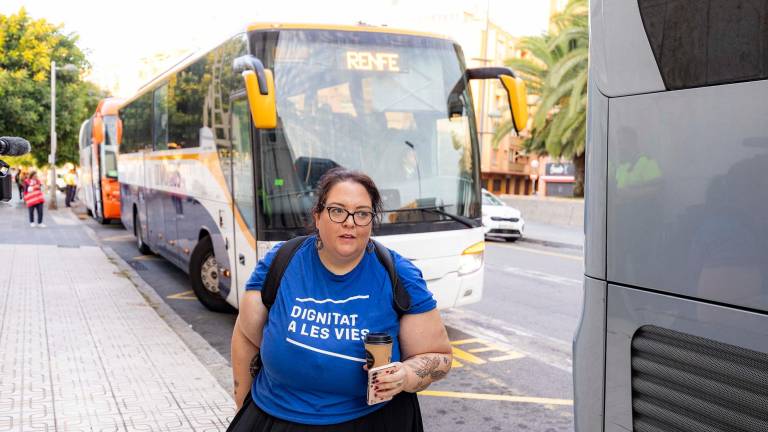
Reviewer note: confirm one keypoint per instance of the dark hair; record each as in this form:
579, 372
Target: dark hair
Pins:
340, 174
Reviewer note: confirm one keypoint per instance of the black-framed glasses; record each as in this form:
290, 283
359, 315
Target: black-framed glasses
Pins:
360, 217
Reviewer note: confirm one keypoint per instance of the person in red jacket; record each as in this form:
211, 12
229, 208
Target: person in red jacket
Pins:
33, 196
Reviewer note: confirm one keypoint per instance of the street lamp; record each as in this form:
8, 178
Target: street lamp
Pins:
52, 157
534, 173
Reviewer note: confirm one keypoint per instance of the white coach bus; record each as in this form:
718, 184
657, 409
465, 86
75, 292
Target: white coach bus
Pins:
674, 331
221, 154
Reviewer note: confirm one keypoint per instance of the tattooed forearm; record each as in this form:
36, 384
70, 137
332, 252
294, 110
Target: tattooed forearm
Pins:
426, 369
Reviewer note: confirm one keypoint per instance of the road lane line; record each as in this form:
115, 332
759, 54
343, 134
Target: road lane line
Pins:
185, 295
494, 397
535, 274
511, 356
541, 252
123, 237
146, 258
538, 346
466, 341
467, 357
486, 349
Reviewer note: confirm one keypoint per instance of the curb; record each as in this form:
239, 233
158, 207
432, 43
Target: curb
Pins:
214, 362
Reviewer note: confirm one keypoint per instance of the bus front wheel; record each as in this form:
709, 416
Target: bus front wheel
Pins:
140, 245
204, 275
101, 219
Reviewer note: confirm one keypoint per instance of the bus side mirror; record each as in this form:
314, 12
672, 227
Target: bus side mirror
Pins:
260, 88
518, 100
516, 91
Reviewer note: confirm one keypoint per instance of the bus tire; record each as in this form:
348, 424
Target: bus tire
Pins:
204, 276
140, 245
102, 220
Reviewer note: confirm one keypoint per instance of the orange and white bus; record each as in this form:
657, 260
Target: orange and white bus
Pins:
99, 138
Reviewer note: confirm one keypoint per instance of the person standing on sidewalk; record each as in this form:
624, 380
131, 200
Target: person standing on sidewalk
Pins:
21, 178
34, 197
310, 343
70, 179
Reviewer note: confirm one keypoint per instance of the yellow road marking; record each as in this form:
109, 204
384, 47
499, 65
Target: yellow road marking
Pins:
146, 258
119, 237
456, 364
486, 349
467, 357
510, 356
186, 295
466, 341
541, 252
489, 346
494, 397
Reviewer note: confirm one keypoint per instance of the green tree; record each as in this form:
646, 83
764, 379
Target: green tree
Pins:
556, 72
27, 47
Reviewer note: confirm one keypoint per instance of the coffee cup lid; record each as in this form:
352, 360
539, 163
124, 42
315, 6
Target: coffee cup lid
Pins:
378, 338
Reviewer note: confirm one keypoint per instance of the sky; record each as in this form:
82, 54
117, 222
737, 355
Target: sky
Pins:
119, 37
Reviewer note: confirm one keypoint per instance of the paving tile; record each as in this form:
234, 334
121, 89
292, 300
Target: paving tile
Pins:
80, 349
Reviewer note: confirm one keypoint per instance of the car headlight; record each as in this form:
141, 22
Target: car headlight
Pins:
471, 259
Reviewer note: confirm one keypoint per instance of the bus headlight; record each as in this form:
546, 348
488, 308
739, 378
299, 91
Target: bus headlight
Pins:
471, 260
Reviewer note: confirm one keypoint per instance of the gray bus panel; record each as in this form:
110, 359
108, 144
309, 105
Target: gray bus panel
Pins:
687, 208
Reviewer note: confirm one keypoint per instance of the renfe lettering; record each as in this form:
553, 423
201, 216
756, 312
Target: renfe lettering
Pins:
365, 60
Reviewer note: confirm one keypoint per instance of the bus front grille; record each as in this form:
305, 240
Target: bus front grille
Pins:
685, 383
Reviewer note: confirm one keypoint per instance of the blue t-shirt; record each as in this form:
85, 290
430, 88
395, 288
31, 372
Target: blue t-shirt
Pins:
312, 348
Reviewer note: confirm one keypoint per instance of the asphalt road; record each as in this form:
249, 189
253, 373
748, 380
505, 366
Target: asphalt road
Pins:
512, 351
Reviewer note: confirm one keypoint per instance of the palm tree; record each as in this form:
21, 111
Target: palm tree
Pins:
556, 72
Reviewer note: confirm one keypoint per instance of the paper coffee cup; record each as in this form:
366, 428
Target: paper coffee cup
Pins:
378, 349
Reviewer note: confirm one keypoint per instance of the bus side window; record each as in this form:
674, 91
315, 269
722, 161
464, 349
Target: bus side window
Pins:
161, 117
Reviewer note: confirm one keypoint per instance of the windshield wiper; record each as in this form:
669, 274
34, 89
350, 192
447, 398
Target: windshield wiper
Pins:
471, 223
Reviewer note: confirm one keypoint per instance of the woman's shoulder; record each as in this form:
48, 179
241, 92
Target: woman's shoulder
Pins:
413, 281
404, 266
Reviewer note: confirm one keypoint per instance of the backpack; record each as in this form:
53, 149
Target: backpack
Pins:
401, 298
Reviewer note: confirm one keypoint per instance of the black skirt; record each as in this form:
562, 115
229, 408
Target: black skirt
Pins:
401, 414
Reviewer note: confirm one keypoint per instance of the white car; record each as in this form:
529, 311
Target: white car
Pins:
501, 220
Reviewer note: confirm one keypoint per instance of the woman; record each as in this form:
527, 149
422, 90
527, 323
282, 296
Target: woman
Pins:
21, 178
333, 292
33, 196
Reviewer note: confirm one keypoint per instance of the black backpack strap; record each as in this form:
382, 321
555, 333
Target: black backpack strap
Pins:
400, 295
277, 268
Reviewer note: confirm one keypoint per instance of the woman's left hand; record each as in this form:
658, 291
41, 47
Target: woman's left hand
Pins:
387, 383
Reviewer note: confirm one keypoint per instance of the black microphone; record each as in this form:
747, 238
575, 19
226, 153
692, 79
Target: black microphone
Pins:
13, 146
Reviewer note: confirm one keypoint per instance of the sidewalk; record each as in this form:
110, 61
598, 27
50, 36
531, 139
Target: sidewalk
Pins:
554, 235
83, 346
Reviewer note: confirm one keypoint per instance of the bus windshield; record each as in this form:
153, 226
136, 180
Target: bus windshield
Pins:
373, 102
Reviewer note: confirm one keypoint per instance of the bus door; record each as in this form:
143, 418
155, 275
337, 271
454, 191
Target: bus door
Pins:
173, 203
244, 199
96, 173
87, 176
95, 178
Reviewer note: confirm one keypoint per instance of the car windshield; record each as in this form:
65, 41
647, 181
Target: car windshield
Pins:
379, 103
489, 199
